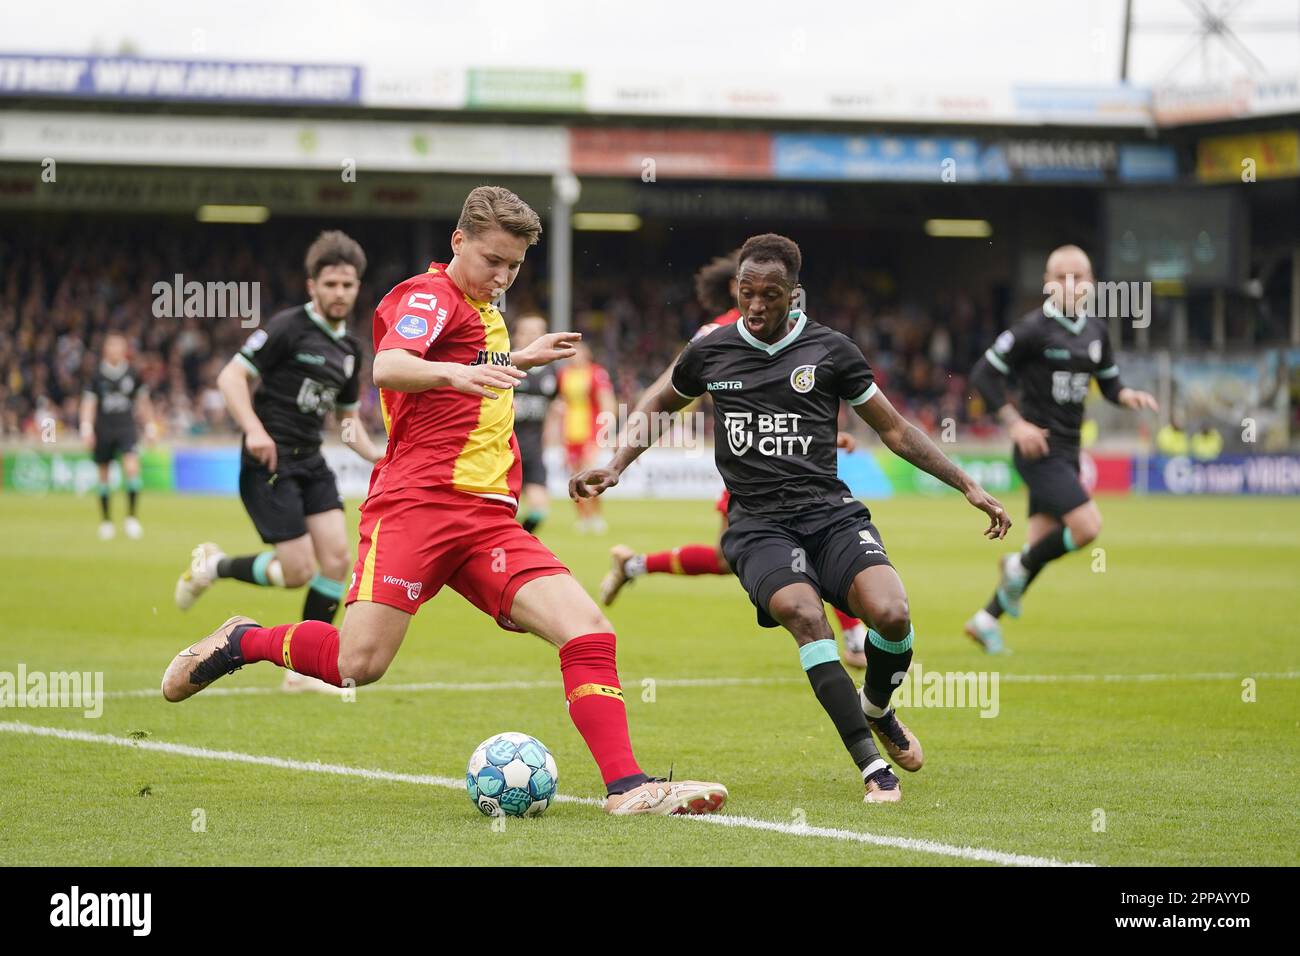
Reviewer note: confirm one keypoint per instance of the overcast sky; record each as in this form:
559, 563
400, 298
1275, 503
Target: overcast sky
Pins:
946, 41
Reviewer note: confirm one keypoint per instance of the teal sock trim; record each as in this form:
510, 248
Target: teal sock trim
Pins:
891, 647
327, 586
134, 484
537, 515
818, 652
103, 487
1069, 540
259, 567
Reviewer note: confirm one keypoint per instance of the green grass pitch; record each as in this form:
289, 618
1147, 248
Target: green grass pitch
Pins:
1167, 764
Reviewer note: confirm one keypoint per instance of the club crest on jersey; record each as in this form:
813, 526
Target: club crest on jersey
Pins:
739, 438
801, 379
412, 327
1094, 350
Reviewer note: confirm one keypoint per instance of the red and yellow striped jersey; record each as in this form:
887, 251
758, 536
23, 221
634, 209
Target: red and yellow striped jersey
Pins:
581, 390
442, 437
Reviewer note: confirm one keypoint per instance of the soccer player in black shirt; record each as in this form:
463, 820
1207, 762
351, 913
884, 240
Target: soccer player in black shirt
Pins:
795, 534
308, 365
1053, 353
533, 403
108, 408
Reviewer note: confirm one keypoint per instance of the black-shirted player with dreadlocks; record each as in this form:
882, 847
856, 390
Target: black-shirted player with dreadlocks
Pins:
795, 534
1054, 353
308, 365
108, 409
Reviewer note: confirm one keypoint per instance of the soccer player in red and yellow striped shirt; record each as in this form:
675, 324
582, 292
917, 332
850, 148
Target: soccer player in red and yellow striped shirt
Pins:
441, 511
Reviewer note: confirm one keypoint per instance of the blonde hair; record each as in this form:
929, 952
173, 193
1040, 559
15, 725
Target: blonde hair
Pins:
489, 207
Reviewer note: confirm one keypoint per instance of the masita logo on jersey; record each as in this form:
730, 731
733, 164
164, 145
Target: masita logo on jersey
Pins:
776, 434
802, 378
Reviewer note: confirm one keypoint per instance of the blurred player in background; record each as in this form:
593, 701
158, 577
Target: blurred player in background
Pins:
308, 365
533, 404
441, 511
1053, 353
586, 393
796, 536
109, 407
715, 289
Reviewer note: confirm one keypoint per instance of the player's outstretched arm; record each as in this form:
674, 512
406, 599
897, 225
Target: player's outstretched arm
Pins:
358, 439
911, 444
89, 402
401, 371
552, 347
1137, 400
990, 382
594, 481
233, 385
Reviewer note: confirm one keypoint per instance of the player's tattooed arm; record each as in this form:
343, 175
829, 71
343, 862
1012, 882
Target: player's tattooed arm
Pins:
911, 444
631, 442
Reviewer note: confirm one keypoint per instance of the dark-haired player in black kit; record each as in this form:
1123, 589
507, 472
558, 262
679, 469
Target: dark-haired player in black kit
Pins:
108, 409
1054, 353
309, 365
533, 403
795, 534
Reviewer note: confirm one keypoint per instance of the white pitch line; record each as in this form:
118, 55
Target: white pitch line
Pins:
1142, 678
900, 843
470, 686
975, 854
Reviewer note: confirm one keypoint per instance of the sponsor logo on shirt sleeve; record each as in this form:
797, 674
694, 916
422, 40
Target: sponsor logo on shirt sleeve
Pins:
412, 326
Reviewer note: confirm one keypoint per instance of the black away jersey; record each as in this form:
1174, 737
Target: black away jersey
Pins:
1054, 359
776, 408
307, 369
115, 388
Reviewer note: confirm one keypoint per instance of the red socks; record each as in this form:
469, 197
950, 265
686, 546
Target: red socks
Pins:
596, 703
688, 559
846, 622
309, 647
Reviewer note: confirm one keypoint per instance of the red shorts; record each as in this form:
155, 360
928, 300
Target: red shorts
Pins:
412, 543
579, 453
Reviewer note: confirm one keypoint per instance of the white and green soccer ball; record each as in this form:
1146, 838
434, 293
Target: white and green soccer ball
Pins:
511, 775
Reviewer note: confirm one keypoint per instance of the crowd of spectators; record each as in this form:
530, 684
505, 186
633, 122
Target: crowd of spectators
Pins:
59, 295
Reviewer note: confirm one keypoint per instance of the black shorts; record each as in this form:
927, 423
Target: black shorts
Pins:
1053, 482
279, 504
113, 441
826, 545
534, 463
